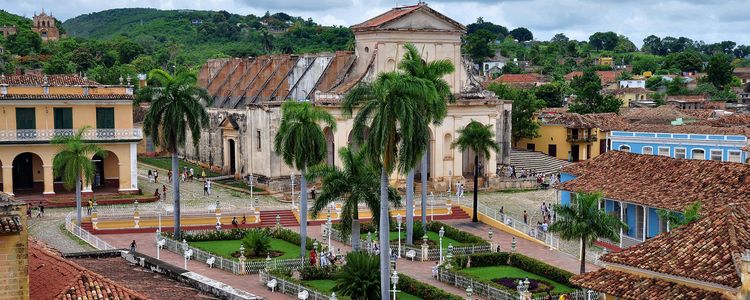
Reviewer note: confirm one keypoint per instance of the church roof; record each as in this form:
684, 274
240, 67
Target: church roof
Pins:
399, 12
633, 287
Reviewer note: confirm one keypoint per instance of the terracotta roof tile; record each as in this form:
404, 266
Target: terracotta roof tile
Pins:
729, 120
688, 98
631, 286
519, 78
52, 80
607, 121
566, 119
708, 250
690, 129
66, 97
606, 77
53, 277
10, 224
396, 13
662, 115
659, 181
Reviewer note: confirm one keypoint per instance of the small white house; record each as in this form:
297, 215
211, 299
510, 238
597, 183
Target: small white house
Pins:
640, 83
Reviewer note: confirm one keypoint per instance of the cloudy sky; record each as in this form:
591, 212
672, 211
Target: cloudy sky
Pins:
707, 20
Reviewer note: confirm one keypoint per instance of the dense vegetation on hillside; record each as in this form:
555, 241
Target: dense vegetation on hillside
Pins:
118, 43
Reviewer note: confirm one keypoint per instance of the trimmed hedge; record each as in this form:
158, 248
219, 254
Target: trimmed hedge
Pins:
316, 273
540, 268
482, 260
456, 234
425, 291
288, 235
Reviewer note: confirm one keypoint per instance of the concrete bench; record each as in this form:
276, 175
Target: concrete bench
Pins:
210, 261
271, 284
303, 295
411, 254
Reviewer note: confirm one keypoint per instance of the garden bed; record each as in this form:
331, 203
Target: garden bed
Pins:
166, 164
230, 249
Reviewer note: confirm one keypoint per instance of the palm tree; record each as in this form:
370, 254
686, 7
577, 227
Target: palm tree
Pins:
478, 138
357, 183
177, 105
73, 163
692, 213
414, 65
390, 108
358, 278
302, 144
584, 221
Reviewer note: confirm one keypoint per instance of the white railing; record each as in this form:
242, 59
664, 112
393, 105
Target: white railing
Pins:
84, 235
95, 134
491, 292
290, 288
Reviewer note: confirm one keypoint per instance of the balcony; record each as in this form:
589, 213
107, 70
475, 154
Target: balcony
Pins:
581, 138
45, 135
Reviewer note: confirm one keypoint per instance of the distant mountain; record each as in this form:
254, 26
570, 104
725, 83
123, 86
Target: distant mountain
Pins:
135, 21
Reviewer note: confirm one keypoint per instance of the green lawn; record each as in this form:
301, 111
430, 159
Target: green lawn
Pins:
326, 286
489, 273
240, 184
226, 248
432, 236
166, 163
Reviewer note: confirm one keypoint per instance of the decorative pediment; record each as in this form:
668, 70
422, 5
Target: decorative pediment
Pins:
229, 123
415, 17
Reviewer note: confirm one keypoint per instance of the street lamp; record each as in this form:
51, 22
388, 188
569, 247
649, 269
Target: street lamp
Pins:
329, 226
292, 176
242, 250
398, 222
469, 292
489, 234
440, 234
278, 221
250, 183
369, 241
186, 251
394, 279
449, 257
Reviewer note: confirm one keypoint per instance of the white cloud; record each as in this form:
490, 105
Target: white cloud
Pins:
707, 20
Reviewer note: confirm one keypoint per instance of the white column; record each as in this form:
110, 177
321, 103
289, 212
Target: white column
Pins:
645, 222
134, 166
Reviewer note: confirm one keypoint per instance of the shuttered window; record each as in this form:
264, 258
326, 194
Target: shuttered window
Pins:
63, 118
105, 117
25, 118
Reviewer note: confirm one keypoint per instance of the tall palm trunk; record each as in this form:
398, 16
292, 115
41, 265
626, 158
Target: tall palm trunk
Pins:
78, 199
476, 187
424, 192
176, 194
303, 213
383, 238
355, 229
583, 256
409, 206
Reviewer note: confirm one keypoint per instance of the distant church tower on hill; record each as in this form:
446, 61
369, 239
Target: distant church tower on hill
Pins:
45, 25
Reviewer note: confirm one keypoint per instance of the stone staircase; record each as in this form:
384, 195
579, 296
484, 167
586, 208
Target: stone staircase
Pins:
536, 161
286, 218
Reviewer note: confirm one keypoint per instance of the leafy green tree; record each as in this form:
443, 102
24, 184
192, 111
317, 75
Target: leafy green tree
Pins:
24, 42
688, 61
301, 143
624, 45
589, 99
560, 38
59, 64
584, 221
392, 108
478, 138
128, 50
652, 44
719, 70
500, 31
432, 72
604, 40
143, 63
511, 68
358, 278
692, 213
357, 182
478, 45
177, 105
553, 93
677, 87
659, 98
645, 63
257, 242
73, 163
521, 34
655, 82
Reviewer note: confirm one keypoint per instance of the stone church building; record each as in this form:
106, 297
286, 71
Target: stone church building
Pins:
248, 93
45, 26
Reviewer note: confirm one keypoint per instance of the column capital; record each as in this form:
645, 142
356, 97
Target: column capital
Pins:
8, 167
47, 166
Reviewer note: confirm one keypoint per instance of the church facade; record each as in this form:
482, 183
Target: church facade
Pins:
248, 94
45, 26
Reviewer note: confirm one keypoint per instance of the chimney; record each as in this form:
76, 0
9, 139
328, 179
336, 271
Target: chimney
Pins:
745, 276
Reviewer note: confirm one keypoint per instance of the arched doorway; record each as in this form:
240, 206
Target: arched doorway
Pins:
28, 174
106, 171
468, 164
330, 146
232, 157
350, 140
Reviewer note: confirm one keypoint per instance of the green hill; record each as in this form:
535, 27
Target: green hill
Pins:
9, 19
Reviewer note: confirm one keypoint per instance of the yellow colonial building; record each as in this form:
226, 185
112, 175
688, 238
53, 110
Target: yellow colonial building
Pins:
37, 108
571, 136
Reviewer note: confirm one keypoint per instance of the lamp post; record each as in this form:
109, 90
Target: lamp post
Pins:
449, 257
523, 288
489, 235
369, 241
278, 221
469, 292
159, 243
186, 251
329, 226
440, 235
398, 223
394, 279
159, 206
292, 176
250, 183
513, 245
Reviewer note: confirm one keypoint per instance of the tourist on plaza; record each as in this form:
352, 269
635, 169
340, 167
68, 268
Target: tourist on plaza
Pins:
244, 219
156, 176
525, 218
156, 194
192, 174
169, 175
183, 176
28, 211
90, 207
205, 188
164, 190
502, 210
150, 176
41, 210
312, 193
203, 173
208, 184
543, 208
234, 222
218, 226
545, 226
132, 246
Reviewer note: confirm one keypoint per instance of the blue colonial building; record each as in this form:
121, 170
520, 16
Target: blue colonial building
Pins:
635, 187
684, 141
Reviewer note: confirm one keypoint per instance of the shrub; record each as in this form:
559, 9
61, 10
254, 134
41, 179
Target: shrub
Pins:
482, 260
293, 237
453, 233
539, 268
360, 277
414, 287
257, 242
210, 235
316, 273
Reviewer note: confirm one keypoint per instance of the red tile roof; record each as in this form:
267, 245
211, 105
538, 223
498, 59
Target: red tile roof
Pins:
662, 115
659, 181
51, 80
689, 129
397, 13
707, 250
66, 97
10, 224
568, 120
603, 121
53, 277
729, 120
519, 78
607, 121
688, 98
606, 77
634, 287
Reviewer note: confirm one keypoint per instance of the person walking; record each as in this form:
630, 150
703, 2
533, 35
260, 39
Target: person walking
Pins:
164, 190
150, 176
28, 211
525, 218
205, 188
41, 210
90, 207
169, 175
132, 246
208, 184
156, 176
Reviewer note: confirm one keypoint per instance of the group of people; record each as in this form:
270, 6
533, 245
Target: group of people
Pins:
40, 207
236, 224
207, 187
326, 258
153, 176
546, 213
164, 192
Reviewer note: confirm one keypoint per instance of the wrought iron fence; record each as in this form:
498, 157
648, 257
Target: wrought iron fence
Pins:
48, 134
290, 288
